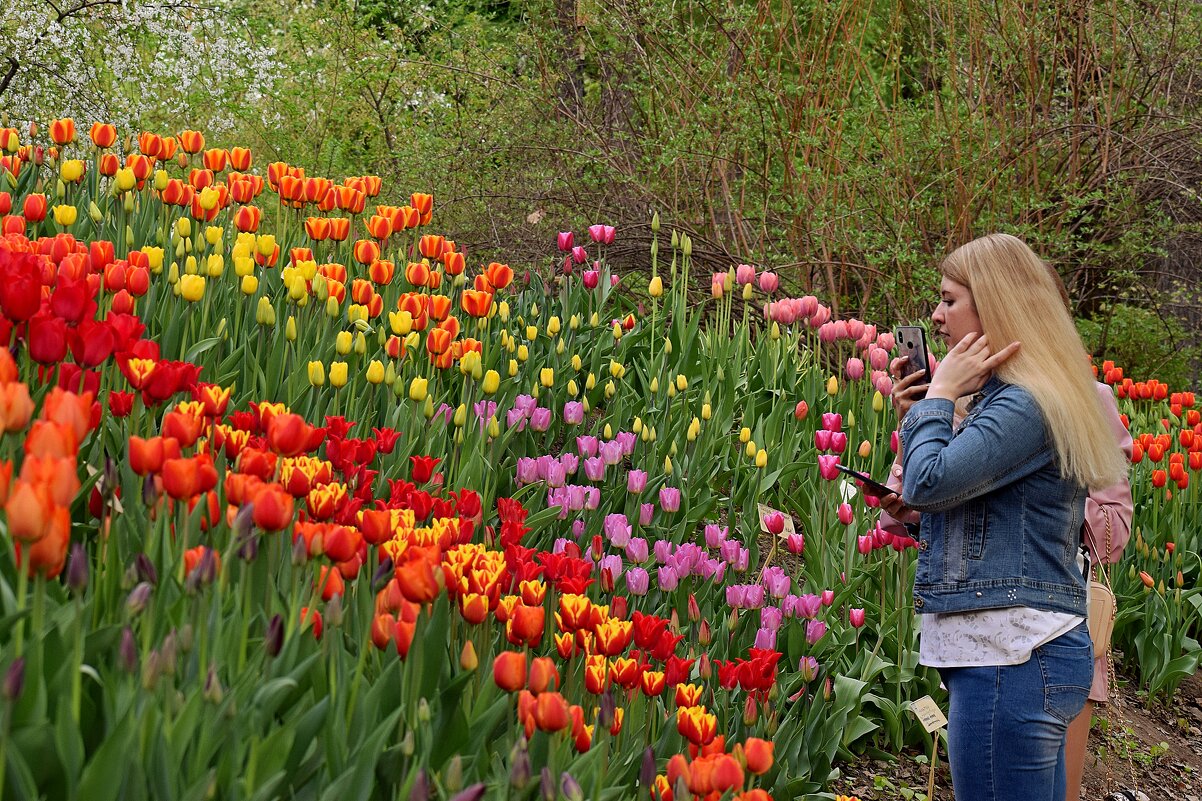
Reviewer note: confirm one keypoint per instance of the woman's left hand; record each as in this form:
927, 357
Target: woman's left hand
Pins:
967, 367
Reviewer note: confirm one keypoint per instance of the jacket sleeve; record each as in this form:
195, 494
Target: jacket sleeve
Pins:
1112, 503
1003, 443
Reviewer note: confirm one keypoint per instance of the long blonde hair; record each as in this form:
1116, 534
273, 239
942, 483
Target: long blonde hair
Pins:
1017, 299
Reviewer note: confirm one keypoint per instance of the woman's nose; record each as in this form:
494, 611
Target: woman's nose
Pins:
937, 315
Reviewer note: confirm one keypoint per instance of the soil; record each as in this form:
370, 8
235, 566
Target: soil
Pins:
1156, 749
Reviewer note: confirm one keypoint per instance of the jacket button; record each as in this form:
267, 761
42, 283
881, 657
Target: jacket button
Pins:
978, 595
918, 603
922, 545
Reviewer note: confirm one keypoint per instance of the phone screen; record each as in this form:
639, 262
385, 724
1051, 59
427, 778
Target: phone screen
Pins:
912, 344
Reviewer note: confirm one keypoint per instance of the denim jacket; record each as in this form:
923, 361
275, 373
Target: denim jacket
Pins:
1000, 527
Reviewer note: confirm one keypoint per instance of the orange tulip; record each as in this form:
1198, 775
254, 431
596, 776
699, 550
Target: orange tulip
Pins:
759, 754
455, 263
35, 207
16, 407
48, 555
62, 132
381, 271
340, 228
424, 204
366, 251
417, 273
417, 580
317, 228
613, 636
331, 583
50, 439
192, 142
167, 147
543, 675
652, 682
379, 227
596, 674
69, 409
150, 144
551, 712
499, 275
440, 307
103, 135
216, 159
272, 508
525, 625
288, 434
431, 245
240, 158
509, 670
188, 477
476, 304
29, 509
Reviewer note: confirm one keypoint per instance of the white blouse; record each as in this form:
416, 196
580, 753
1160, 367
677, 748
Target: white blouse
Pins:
988, 637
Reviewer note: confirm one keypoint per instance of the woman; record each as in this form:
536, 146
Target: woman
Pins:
1002, 497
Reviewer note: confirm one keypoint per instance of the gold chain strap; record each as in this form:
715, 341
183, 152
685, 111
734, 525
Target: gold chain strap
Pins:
1115, 700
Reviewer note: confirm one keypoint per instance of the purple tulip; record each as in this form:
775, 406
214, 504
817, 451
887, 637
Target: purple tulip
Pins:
570, 462
577, 528
776, 582
765, 638
667, 578
669, 499
540, 419
617, 529
526, 404
636, 481
592, 498
557, 476
527, 471
561, 543
610, 451
663, 551
857, 617
637, 581
612, 563
626, 439
729, 550
808, 668
594, 468
771, 617
586, 446
637, 549
715, 535
515, 418
646, 510
808, 605
565, 241
573, 413
815, 630
736, 596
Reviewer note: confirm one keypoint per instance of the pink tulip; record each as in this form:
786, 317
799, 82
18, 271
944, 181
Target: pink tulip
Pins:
838, 442
579, 255
775, 523
893, 443
591, 279
832, 421
596, 233
608, 234
827, 333
807, 306
878, 357
885, 340
796, 543
857, 617
846, 515
826, 466
822, 440
864, 544
815, 630
828, 597
565, 241
882, 383
855, 328
769, 281
717, 285
854, 369
744, 274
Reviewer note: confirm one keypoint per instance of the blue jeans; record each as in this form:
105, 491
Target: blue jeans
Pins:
1006, 724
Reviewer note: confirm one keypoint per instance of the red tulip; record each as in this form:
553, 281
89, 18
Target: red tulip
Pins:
509, 670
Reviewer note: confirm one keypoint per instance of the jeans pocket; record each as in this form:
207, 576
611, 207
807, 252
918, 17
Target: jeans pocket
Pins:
1067, 667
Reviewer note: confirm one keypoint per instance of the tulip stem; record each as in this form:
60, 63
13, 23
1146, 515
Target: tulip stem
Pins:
22, 591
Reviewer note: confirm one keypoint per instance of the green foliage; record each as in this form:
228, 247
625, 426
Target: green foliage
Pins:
1145, 344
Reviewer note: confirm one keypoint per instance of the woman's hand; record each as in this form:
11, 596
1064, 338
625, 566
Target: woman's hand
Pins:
896, 507
905, 390
967, 367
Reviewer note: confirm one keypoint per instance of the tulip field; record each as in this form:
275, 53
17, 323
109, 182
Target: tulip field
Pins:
300, 500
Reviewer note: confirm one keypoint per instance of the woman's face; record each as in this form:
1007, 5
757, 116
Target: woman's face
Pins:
956, 314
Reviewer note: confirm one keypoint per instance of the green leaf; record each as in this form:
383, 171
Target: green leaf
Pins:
105, 775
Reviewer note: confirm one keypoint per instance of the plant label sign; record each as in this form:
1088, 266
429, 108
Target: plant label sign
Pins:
766, 511
928, 713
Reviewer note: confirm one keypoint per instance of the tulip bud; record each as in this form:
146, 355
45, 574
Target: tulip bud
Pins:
77, 569
14, 680
453, 778
127, 651
273, 641
137, 599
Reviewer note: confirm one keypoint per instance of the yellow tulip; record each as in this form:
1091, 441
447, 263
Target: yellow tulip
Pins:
160, 179
65, 215
243, 266
338, 374
503, 311
610, 390
492, 381
573, 390
342, 343
191, 267
576, 363
761, 458
668, 465
637, 425
460, 415
747, 290
694, 430
125, 180
532, 332
523, 353
401, 322
617, 331
832, 386
333, 310
607, 432
750, 449
213, 234
418, 389
250, 285
590, 383
656, 288
192, 287
513, 368
375, 372
553, 326
154, 256
682, 383
360, 343
265, 245
317, 374
183, 226
215, 265
744, 435
654, 385
290, 329
668, 345
546, 377
878, 402
574, 322
706, 411
72, 170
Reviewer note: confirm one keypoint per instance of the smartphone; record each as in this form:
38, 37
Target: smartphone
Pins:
912, 344
877, 488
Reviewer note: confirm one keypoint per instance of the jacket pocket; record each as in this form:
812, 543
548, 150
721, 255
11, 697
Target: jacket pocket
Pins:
976, 526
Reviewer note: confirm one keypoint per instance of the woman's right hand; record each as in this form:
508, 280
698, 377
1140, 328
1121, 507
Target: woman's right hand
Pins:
905, 390
897, 509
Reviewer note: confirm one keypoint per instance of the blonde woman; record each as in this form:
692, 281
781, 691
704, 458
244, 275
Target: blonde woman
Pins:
1002, 498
